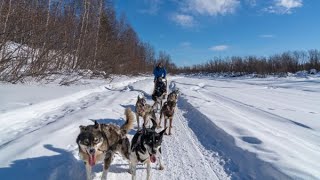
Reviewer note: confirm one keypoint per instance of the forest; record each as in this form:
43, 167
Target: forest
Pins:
43, 37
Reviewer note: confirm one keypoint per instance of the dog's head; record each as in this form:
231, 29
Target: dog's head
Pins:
160, 79
152, 141
177, 92
173, 96
141, 101
90, 140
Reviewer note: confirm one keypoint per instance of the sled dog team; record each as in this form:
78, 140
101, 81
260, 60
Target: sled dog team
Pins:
100, 142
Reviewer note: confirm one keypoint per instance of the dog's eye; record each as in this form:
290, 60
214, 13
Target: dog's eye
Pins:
86, 142
96, 140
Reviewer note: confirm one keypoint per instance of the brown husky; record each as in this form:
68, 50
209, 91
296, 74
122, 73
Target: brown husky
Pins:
144, 110
101, 141
167, 111
173, 96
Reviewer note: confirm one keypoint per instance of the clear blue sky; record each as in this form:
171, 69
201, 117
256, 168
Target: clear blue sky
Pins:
193, 31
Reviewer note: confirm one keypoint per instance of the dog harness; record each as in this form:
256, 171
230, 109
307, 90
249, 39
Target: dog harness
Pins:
112, 147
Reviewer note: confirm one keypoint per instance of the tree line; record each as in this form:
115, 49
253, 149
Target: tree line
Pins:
275, 64
41, 37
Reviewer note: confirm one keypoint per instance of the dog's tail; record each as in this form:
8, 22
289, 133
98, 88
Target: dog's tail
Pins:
128, 125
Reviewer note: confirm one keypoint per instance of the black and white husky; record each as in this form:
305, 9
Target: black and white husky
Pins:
159, 93
146, 148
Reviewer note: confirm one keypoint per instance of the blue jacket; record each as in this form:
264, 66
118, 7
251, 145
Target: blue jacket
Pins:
159, 72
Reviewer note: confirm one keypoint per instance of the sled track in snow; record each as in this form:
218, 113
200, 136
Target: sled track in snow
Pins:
55, 115
182, 149
243, 110
216, 143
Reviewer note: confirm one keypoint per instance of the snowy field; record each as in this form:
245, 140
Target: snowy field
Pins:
224, 128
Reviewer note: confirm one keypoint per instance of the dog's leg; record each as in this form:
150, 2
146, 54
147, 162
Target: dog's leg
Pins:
107, 161
153, 114
88, 170
161, 114
161, 167
137, 117
148, 169
157, 105
145, 121
133, 169
130, 167
170, 125
165, 124
125, 148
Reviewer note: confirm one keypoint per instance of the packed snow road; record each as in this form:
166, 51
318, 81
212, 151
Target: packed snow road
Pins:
223, 129
275, 122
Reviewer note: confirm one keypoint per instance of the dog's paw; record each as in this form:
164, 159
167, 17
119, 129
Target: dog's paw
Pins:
161, 167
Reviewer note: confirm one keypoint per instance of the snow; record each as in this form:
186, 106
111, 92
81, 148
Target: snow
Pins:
243, 128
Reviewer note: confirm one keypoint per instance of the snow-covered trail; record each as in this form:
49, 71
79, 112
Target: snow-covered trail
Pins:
223, 129
277, 126
42, 145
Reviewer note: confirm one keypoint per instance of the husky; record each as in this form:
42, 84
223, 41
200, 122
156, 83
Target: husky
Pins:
144, 110
173, 96
146, 149
101, 141
159, 92
167, 111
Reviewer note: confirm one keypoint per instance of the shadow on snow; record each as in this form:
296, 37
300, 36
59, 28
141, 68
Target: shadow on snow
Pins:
60, 166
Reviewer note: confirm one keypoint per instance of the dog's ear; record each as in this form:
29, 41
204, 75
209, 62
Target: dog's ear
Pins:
138, 97
82, 128
96, 125
154, 124
162, 132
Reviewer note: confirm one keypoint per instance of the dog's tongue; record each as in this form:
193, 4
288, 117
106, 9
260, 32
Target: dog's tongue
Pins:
153, 158
92, 159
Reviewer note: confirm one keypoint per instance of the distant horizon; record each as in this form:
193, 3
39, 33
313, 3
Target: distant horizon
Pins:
245, 56
193, 32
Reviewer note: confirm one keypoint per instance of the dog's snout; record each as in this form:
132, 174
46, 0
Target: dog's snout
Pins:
154, 151
92, 151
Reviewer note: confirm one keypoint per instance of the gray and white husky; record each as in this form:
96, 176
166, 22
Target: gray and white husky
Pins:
173, 96
146, 149
99, 142
144, 110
